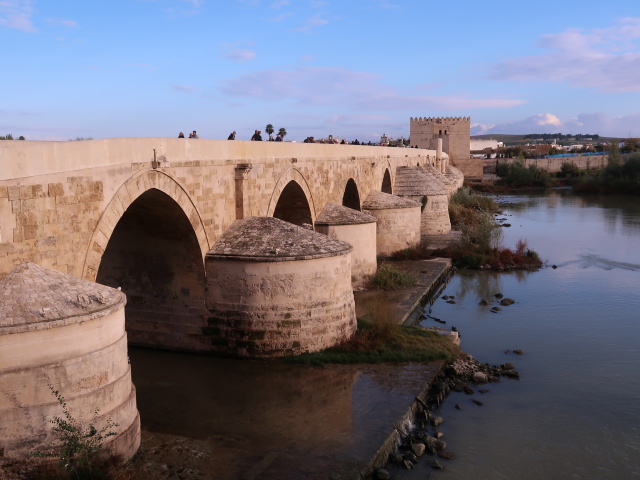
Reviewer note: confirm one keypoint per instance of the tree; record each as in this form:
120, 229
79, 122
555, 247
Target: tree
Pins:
614, 152
282, 132
269, 129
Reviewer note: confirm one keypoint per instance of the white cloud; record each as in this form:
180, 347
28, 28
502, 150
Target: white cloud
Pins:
17, 14
593, 123
607, 59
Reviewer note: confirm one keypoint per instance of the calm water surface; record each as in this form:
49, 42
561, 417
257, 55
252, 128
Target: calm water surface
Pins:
575, 413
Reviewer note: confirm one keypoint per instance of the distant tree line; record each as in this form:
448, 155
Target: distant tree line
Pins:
9, 136
560, 136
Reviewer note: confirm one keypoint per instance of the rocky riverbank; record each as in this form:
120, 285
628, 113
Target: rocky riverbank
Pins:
420, 439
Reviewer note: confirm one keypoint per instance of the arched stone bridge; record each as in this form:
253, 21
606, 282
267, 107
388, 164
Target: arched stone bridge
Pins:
141, 213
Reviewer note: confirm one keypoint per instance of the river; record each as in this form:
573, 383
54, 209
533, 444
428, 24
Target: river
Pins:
575, 412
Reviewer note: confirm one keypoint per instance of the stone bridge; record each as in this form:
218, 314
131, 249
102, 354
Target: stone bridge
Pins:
141, 213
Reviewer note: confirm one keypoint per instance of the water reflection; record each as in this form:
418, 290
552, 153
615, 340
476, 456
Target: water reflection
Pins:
315, 419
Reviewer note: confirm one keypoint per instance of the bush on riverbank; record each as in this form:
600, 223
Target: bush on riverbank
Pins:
516, 175
480, 244
616, 178
379, 340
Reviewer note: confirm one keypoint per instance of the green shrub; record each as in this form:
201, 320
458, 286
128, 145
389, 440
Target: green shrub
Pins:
569, 170
390, 277
517, 175
78, 445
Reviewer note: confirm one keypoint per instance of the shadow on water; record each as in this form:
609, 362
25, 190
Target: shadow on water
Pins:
320, 419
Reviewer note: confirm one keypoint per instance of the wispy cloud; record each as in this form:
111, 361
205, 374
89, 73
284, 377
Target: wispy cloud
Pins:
183, 88
17, 14
315, 21
607, 59
360, 91
278, 4
63, 23
239, 54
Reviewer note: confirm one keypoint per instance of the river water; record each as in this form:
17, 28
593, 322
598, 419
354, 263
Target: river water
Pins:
575, 412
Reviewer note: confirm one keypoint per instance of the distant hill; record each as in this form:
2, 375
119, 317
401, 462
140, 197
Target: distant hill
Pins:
509, 139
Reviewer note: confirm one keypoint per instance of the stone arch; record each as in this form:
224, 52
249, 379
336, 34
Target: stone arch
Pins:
154, 253
133, 188
291, 199
351, 197
387, 185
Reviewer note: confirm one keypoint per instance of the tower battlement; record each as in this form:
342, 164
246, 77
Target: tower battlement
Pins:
455, 133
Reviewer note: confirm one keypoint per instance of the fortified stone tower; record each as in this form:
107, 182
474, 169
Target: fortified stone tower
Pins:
455, 133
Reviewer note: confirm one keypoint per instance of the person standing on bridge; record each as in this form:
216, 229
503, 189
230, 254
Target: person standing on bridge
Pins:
232, 136
194, 135
256, 136
181, 135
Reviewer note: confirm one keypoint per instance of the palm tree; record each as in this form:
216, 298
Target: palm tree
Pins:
269, 129
282, 132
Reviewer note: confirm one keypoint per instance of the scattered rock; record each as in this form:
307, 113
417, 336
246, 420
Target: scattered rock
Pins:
498, 296
468, 390
435, 421
447, 455
458, 406
410, 456
435, 444
495, 309
408, 464
436, 465
418, 449
477, 402
484, 390
479, 377
483, 303
439, 435
518, 352
445, 297
451, 301
554, 266
505, 302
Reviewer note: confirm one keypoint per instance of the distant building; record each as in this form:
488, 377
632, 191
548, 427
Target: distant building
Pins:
480, 145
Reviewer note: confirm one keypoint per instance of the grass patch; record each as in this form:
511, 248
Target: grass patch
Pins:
381, 341
390, 277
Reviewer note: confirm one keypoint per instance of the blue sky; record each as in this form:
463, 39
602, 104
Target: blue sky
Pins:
351, 68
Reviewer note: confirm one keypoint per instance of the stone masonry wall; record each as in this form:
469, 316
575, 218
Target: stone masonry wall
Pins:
60, 201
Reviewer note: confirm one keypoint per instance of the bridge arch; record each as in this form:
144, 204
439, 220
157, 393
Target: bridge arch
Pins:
386, 182
129, 192
147, 243
351, 196
291, 199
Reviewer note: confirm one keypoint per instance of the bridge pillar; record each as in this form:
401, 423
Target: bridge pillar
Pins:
242, 172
